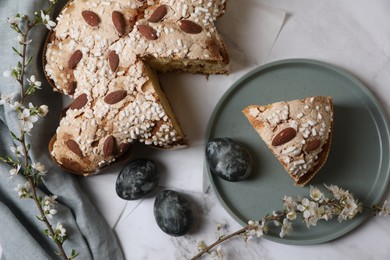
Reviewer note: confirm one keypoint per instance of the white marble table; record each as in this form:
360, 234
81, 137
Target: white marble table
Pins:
352, 34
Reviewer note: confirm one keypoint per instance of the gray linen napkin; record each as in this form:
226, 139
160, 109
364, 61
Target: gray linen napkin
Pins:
21, 234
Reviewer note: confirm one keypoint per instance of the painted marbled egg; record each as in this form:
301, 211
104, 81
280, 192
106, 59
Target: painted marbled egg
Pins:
228, 159
173, 213
137, 179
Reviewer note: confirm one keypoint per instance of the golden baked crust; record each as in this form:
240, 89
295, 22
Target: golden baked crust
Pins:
298, 132
103, 53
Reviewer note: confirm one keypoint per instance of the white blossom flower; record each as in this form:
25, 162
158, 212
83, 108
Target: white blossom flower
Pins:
316, 194
14, 171
337, 193
350, 209
60, 230
289, 203
201, 245
50, 200
34, 82
16, 106
23, 190
48, 204
49, 213
26, 120
17, 150
275, 214
43, 110
39, 167
255, 229
292, 215
20, 39
13, 20
385, 211
46, 21
307, 207
6, 98
286, 228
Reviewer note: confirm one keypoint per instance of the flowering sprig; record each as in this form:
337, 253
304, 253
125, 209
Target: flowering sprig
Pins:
316, 207
28, 114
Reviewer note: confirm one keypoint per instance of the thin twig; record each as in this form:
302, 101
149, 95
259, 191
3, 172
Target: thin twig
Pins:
219, 241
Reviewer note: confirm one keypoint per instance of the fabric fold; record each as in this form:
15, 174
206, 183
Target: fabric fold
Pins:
21, 235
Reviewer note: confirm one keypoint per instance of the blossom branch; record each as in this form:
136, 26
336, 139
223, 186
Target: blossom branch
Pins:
34, 172
317, 207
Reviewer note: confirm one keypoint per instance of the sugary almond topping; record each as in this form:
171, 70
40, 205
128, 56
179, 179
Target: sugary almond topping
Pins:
190, 27
91, 18
158, 14
113, 60
147, 32
79, 102
284, 136
75, 59
119, 22
74, 147
115, 97
109, 146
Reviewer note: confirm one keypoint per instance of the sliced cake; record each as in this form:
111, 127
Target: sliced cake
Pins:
298, 132
104, 53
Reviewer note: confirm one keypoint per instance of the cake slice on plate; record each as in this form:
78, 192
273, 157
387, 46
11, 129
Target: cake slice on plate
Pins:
298, 132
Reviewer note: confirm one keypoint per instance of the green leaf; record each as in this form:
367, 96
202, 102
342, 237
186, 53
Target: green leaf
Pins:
15, 74
29, 60
17, 52
46, 232
74, 254
40, 219
13, 135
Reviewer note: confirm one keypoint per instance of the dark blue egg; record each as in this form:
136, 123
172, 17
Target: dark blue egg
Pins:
137, 179
173, 213
228, 159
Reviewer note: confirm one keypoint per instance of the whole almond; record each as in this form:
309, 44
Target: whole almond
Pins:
79, 102
113, 60
190, 27
109, 146
158, 14
74, 147
147, 32
72, 87
91, 18
75, 59
312, 145
115, 97
119, 22
284, 136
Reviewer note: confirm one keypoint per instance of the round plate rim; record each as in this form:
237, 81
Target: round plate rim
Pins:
382, 116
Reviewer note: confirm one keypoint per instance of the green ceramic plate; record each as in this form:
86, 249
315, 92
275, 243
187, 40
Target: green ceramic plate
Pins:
358, 160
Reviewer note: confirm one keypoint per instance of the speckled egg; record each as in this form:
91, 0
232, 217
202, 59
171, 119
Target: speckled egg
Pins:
173, 213
228, 159
137, 179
